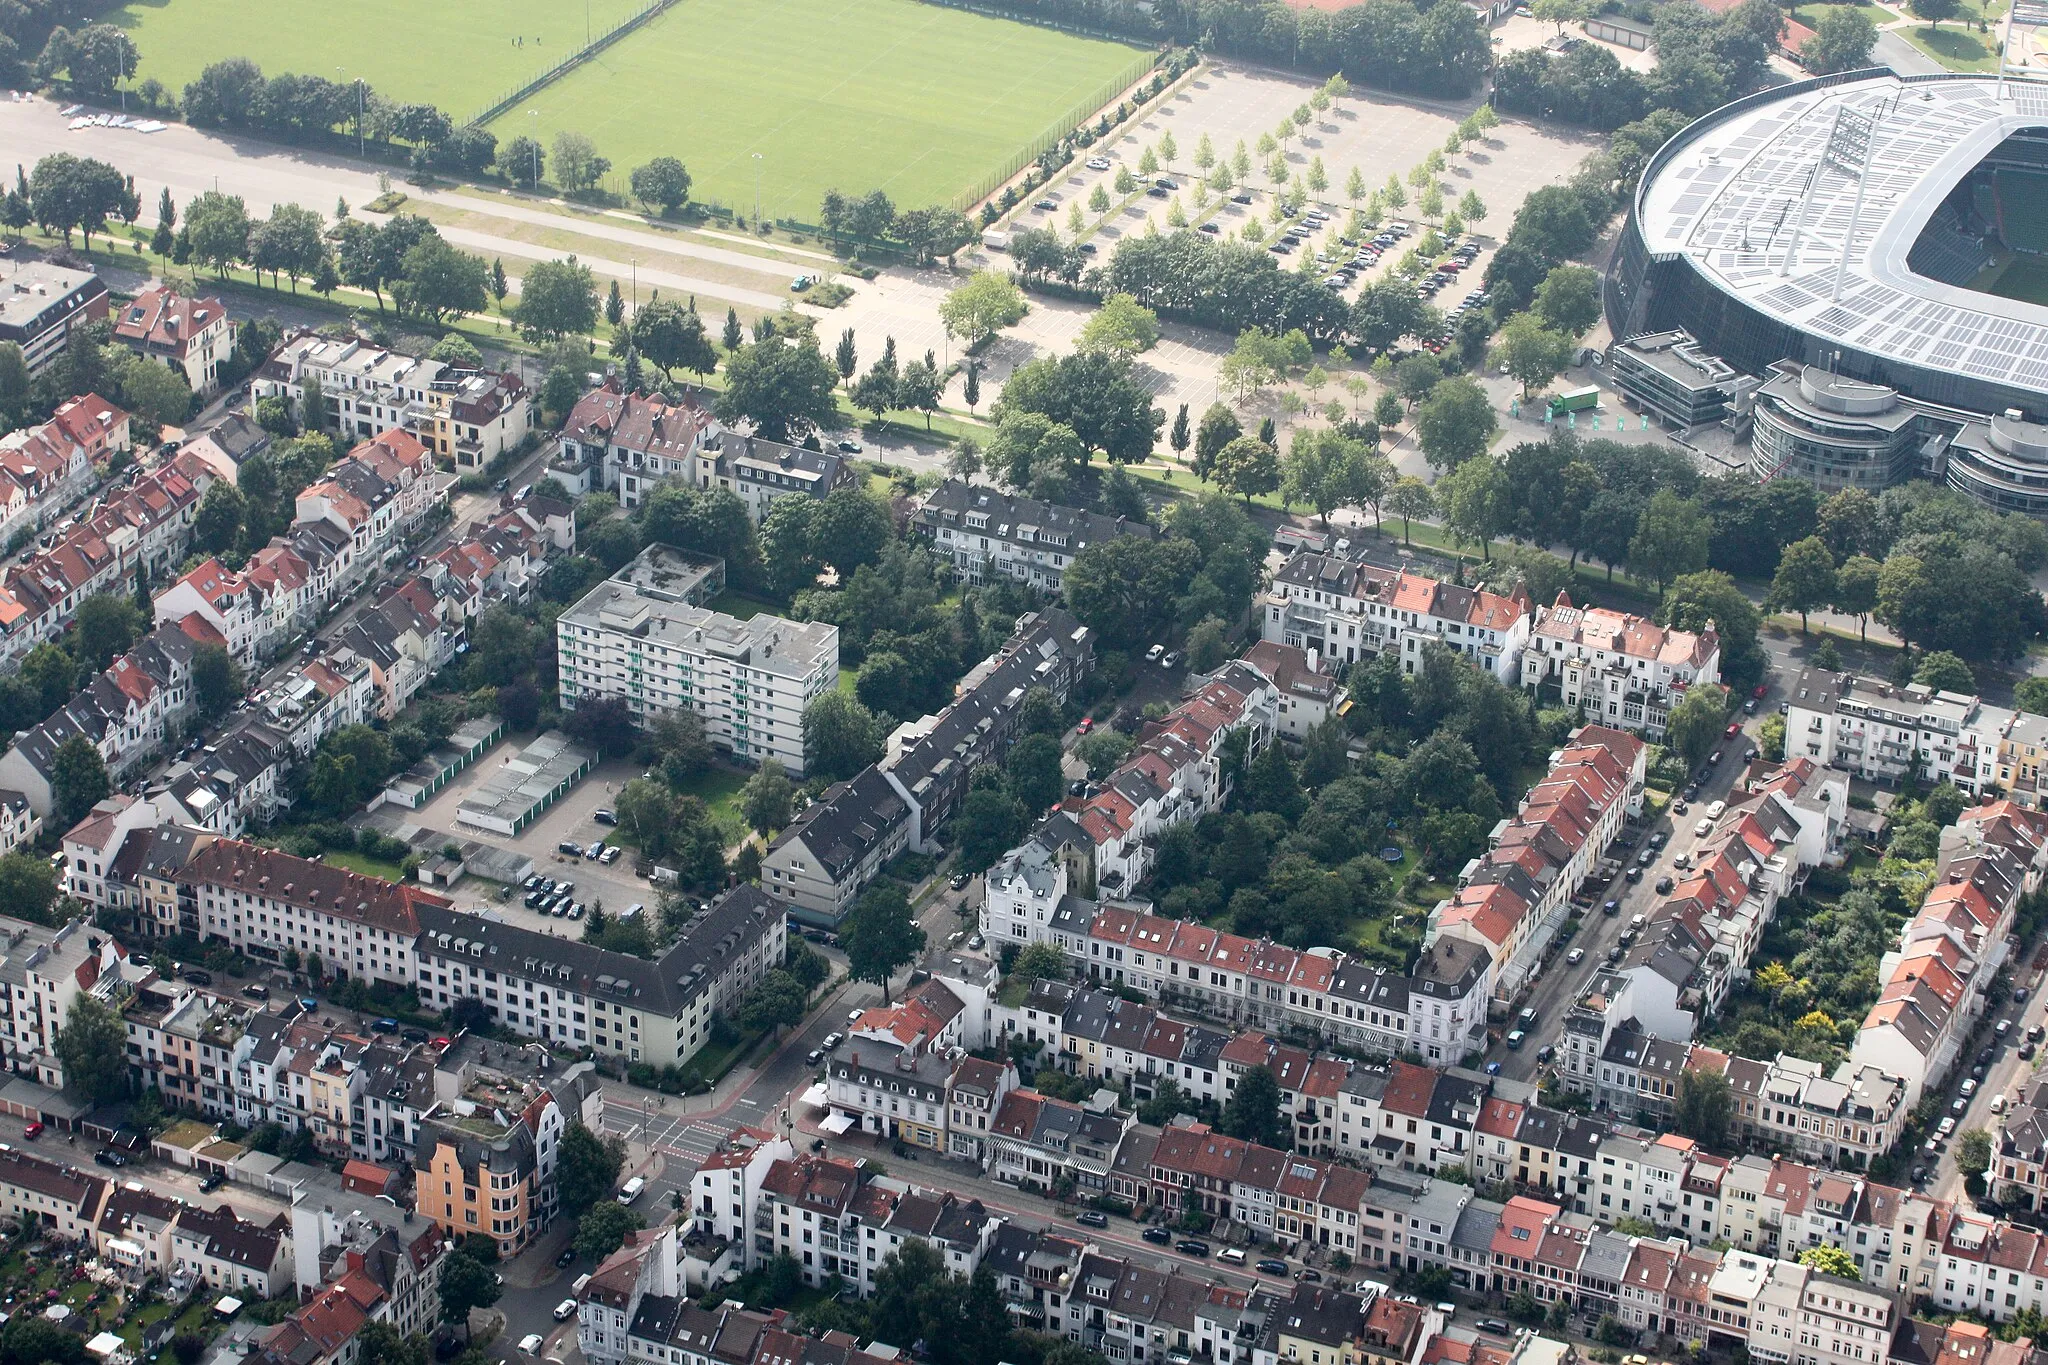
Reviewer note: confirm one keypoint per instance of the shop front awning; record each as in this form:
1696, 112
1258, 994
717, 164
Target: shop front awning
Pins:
837, 1124
814, 1097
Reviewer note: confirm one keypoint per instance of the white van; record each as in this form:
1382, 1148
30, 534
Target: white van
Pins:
1232, 1255
632, 1189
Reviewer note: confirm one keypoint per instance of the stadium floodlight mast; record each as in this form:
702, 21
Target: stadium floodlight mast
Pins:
1847, 152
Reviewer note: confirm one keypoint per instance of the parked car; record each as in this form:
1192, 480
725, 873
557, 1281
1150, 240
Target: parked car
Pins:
1494, 1326
565, 1310
567, 1257
1575, 957
1098, 163
814, 1056
1092, 1218
604, 816
1188, 1246
1515, 1040
1158, 1235
107, 1156
958, 880
33, 1131
849, 447
211, 1181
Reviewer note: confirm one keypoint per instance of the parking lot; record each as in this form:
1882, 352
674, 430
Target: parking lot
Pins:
570, 818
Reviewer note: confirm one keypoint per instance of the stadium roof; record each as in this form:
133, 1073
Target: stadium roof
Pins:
1727, 194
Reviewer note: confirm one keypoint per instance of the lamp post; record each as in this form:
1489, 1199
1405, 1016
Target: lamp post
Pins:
343, 71
757, 193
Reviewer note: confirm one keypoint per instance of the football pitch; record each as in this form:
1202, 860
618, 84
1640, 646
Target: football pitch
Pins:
919, 101
459, 55
2024, 278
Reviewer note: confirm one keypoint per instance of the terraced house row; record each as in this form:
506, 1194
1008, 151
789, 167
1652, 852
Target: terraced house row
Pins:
1616, 669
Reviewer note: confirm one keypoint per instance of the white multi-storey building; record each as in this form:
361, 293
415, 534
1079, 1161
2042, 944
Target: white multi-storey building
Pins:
1349, 610
634, 636
978, 527
1626, 671
1883, 732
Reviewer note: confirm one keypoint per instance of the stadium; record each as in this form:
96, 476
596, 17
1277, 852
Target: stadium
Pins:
1854, 269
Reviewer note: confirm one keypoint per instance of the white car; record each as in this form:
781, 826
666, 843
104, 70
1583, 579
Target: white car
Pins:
1702, 828
1948, 1124
1575, 956
1715, 808
1098, 163
530, 1344
565, 1310
1152, 654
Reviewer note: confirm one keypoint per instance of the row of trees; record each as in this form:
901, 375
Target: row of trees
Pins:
234, 93
872, 220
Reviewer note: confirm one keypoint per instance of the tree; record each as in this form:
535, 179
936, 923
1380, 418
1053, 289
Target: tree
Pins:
673, 337
93, 1048
1455, 423
776, 1002
1102, 750
437, 282
556, 299
841, 736
1247, 467
1532, 354
765, 799
28, 887
290, 241
1945, 672
217, 227
1033, 770
1973, 1158
155, 392
1252, 1112
1695, 724
1123, 325
603, 1229
587, 1169
1475, 500
107, 624
1832, 1260
1410, 497
662, 183
1559, 12
879, 935
466, 1283
1934, 11
1841, 41
986, 304
1670, 539
216, 679
990, 823
577, 164
1805, 580
1219, 427
1705, 1108
785, 389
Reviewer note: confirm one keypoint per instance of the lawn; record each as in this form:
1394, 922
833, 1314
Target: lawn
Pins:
1956, 47
458, 55
369, 867
920, 101
1810, 14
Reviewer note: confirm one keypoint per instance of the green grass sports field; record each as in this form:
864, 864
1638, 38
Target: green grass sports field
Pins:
459, 55
2025, 279
917, 100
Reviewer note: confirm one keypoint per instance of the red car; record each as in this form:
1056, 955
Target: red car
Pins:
1087, 724
32, 1131
1761, 688
1734, 728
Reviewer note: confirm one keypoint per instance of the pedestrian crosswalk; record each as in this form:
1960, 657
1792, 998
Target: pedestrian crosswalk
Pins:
679, 1137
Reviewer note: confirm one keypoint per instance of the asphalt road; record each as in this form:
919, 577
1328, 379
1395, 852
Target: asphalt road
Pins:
1994, 1063
1561, 982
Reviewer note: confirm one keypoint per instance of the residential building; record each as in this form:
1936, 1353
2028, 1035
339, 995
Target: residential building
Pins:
1307, 695
268, 903
565, 991
1883, 732
1619, 669
191, 336
982, 529
41, 303
635, 637
1347, 608
467, 416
